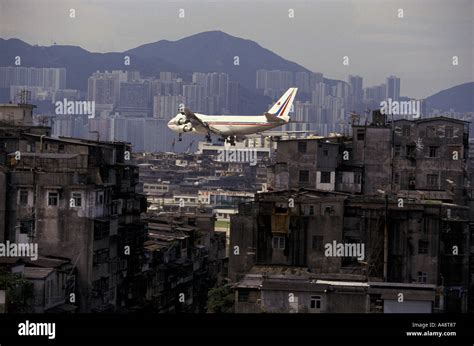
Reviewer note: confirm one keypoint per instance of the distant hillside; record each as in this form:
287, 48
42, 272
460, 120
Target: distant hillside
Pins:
80, 63
214, 51
211, 51
460, 98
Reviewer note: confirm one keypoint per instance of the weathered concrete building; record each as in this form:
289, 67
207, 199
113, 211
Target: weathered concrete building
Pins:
425, 242
76, 199
291, 289
307, 163
420, 159
185, 258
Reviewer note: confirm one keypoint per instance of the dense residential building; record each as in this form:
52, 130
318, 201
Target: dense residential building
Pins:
356, 85
397, 191
233, 93
76, 199
420, 245
280, 289
135, 99
46, 77
104, 89
424, 158
185, 258
274, 83
393, 88
166, 107
374, 95
195, 98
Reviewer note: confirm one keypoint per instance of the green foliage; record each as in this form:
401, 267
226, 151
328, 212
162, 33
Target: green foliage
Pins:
220, 299
19, 292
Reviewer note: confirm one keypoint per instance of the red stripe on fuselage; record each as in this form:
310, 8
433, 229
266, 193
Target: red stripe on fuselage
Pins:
239, 124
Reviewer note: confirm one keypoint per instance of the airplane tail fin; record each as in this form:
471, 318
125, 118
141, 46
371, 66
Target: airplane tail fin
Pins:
283, 106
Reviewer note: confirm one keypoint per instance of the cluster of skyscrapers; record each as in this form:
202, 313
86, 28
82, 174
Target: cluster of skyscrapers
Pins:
325, 104
134, 108
130, 95
42, 82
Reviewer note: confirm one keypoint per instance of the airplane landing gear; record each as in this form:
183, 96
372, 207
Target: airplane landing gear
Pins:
180, 135
208, 138
231, 140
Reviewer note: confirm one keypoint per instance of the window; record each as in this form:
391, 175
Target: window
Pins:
357, 178
325, 178
360, 135
422, 277
61, 148
278, 242
423, 246
311, 210
410, 150
100, 257
411, 181
304, 176
53, 198
243, 296
397, 150
433, 151
99, 197
302, 146
27, 227
431, 131
101, 230
396, 178
449, 132
77, 197
328, 209
23, 197
31, 147
406, 130
432, 180
281, 208
317, 244
325, 152
315, 302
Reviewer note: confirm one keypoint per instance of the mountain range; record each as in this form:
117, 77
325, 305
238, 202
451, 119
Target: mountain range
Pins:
211, 51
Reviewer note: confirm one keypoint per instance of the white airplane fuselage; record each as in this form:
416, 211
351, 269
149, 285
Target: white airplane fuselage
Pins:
234, 125
227, 125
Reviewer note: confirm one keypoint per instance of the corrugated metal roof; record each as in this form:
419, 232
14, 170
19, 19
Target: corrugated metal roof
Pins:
37, 273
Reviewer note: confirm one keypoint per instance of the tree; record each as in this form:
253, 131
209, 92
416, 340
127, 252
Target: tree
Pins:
19, 292
220, 299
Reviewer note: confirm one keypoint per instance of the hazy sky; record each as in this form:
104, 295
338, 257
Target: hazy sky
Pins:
419, 47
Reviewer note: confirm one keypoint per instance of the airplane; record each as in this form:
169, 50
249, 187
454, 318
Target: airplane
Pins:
233, 127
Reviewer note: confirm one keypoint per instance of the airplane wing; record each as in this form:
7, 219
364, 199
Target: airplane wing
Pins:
195, 121
274, 133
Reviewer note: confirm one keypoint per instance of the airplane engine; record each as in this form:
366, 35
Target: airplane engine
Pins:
187, 128
182, 121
